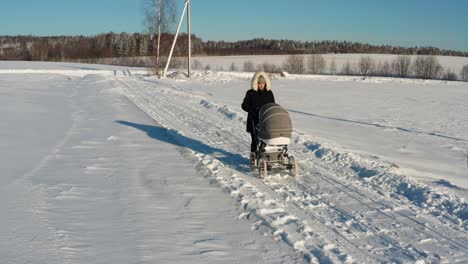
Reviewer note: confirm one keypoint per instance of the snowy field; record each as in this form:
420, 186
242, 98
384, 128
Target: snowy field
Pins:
104, 164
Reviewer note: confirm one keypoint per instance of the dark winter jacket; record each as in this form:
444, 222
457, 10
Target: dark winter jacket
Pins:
255, 99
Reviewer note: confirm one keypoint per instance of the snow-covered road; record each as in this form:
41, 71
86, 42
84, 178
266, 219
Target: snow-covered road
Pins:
122, 168
89, 178
334, 211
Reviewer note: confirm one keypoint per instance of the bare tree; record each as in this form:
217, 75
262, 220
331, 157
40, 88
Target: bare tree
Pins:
427, 67
249, 66
160, 18
347, 69
233, 67
268, 67
40, 50
401, 66
450, 75
333, 70
385, 69
366, 65
378, 69
294, 64
464, 73
316, 64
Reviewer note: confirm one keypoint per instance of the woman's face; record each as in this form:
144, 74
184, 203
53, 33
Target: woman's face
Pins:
261, 86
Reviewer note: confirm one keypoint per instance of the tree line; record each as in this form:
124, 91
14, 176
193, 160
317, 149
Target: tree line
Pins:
112, 45
402, 66
261, 46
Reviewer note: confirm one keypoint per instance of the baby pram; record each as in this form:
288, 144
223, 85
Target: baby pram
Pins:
273, 134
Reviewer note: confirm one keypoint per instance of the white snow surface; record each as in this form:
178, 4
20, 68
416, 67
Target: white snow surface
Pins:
107, 165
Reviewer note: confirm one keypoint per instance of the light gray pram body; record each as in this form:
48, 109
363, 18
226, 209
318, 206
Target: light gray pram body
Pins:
274, 135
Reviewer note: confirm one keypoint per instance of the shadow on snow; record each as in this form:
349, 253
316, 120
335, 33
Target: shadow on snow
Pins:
233, 160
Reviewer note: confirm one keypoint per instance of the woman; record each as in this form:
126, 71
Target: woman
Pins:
259, 95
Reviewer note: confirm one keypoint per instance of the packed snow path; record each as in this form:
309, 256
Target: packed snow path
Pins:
327, 213
82, 184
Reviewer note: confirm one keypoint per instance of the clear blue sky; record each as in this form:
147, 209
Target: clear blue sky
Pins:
440, 23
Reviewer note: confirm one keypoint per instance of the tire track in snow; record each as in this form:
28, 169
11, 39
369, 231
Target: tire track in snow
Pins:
186, 118
258, 183
387, 209
260, 188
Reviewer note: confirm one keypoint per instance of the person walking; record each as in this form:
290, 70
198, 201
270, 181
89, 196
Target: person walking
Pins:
257, 96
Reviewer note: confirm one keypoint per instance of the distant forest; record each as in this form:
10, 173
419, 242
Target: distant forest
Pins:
112, 45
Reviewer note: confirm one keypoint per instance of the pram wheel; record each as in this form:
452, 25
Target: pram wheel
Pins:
293, 166
262, 168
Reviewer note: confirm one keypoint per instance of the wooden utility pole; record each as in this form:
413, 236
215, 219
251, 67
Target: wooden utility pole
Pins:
160, 8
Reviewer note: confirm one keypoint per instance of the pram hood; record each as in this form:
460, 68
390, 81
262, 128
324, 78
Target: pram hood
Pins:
274, 122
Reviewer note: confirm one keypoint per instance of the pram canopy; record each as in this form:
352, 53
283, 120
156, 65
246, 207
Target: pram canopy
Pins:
274, 127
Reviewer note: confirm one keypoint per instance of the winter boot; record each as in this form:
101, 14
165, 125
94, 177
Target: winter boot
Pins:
253, 160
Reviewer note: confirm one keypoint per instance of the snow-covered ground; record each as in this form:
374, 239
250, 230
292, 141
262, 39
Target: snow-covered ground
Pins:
420, 126
91, 178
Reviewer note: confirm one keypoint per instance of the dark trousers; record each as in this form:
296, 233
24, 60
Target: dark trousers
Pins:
254, 144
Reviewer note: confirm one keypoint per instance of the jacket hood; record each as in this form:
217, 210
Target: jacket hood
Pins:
254, 82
